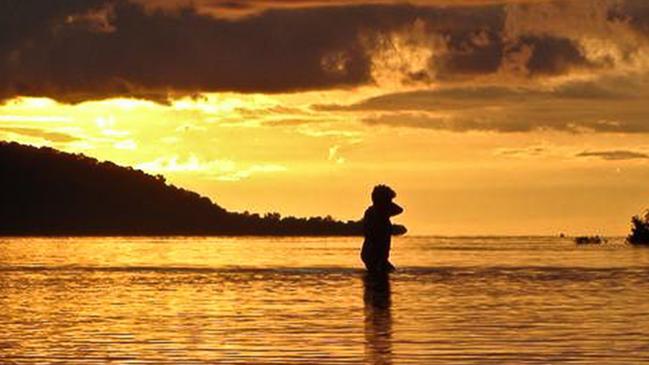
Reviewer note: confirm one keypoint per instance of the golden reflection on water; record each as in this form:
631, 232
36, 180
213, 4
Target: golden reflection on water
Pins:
378, 318
306, 300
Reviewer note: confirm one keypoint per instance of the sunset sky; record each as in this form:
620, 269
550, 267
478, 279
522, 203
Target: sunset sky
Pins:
486, 117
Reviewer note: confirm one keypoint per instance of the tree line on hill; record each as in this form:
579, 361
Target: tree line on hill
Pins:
48, 192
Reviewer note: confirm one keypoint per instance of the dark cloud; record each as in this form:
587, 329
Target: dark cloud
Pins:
56, 137
525, 152
92, 49
472, 47
150, 54
607, 106
486, 123
611, 89
243, 8
614, 155
551, 55
634, 12
520, 120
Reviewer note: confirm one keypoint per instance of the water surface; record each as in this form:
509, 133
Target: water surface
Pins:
489, 300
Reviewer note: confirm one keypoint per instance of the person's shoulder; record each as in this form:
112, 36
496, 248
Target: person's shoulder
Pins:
369, 212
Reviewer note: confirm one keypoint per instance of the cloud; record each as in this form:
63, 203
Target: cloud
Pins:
334, 155
614, 105
243, 8
569, 119
601, 89
617, 155
288, 122
77, 50
153, 55
633, 12
56, 137
454, 124
127, 144
224, 170
552, 55
529, 151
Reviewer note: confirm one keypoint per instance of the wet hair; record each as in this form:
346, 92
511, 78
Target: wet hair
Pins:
382, 194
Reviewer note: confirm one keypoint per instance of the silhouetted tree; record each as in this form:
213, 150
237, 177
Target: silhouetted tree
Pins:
639, 230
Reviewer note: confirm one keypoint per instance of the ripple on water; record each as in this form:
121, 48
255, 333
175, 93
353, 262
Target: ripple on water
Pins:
444, 306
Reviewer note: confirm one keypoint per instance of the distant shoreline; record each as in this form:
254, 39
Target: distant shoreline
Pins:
208, 235
179, 235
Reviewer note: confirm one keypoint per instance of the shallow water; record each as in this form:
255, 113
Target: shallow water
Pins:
490, 300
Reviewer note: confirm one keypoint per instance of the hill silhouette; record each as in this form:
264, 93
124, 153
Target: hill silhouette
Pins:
44, 191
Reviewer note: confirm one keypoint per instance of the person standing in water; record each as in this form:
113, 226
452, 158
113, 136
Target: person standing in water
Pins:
378, 230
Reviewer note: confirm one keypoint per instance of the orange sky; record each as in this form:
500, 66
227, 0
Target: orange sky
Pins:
495, 118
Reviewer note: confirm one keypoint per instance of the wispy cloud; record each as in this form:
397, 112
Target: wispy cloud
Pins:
224, 170
604, 105
616, 155
56, 137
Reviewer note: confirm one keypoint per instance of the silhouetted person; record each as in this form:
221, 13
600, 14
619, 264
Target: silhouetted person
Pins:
378, 318
378, 230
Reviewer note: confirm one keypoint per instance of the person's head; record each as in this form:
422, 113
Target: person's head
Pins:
382, 195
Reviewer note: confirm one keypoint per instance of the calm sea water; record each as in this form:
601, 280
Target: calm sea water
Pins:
523, 300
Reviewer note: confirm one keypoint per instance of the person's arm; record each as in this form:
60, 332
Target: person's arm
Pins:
398, 230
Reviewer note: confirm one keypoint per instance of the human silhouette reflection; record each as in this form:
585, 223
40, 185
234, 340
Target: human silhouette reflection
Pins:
378, 230
378, 318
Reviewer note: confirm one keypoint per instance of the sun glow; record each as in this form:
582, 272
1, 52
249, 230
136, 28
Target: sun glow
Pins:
289, 144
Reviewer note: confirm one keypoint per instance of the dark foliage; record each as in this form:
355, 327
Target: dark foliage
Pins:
639, 231
589, 240
47, 192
